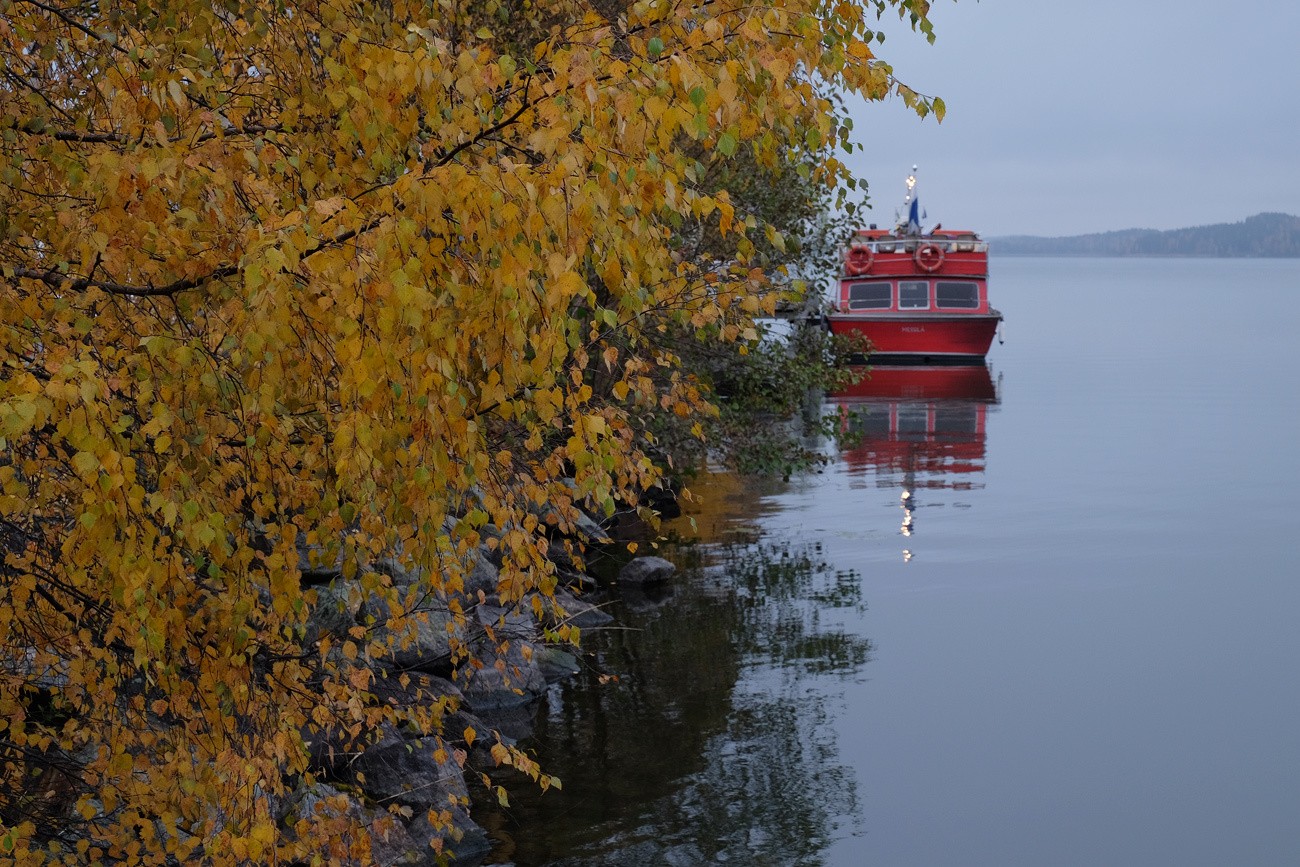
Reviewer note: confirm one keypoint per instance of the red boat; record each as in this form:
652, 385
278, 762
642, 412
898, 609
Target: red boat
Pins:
918, 297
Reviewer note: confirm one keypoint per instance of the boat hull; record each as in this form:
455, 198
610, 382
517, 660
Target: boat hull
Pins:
933, 338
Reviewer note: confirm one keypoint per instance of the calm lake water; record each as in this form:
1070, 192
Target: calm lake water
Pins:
1078, 646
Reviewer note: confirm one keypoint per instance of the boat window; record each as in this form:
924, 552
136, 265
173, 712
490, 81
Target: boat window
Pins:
956, 423
865, 296
913, 422
913, 294
873, 422
954, 294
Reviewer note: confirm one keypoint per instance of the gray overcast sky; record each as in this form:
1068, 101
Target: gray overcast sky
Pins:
1073, 117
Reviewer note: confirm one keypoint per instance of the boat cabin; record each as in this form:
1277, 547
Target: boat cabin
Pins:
944, 271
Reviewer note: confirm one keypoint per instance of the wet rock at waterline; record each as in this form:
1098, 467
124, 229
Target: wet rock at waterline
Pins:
646, 572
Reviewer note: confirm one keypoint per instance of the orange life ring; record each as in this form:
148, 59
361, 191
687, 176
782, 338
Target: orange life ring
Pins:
929, 257
858, 260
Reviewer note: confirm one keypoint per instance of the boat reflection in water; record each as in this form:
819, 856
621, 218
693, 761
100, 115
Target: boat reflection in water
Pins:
919, 427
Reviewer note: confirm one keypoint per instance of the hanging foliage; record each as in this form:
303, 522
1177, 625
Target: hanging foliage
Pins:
293, 286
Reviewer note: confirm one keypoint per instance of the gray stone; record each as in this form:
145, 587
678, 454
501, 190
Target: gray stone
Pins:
505, 681
588, 530
404, 769
466, 842
315, 565
493, 552
415, 689
328, 752
393, 568
332, 750
321, 799
580, 612
42, 670
555, 663
580, 525
591, 532
514, 622
335, 611
646, 571
418, 637
481, 574
391, 842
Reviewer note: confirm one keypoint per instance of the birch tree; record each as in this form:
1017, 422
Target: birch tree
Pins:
287, 279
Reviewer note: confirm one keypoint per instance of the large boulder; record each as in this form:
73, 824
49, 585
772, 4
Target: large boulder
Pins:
481, 573
510, 675
334, 611
418, 630
563, 607
555, 663
316, 565
514, 680
480, 570
392, 839
417, 772
570, 515
332, 751
464, 840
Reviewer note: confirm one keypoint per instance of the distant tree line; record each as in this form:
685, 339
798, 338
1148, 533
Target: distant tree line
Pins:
1263, 235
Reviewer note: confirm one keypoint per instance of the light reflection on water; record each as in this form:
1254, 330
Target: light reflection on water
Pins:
1083, 653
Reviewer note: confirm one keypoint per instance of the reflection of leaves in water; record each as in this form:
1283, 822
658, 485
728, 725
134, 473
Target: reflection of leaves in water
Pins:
715, 745
843, 591
770, 793
784, 594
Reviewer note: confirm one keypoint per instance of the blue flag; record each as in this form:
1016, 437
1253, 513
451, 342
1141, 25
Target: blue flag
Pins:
914, 218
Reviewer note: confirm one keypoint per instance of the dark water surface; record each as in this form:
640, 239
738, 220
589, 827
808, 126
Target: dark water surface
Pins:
1078, 646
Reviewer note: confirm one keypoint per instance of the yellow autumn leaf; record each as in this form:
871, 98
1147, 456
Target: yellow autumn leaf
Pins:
329, 207
85, 463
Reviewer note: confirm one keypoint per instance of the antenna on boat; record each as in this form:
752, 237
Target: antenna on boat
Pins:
910, 206
907, 202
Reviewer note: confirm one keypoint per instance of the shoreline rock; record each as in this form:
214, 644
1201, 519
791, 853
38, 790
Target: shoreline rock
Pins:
647, 571
499, 697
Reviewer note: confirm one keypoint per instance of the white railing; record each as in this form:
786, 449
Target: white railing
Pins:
909, 244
